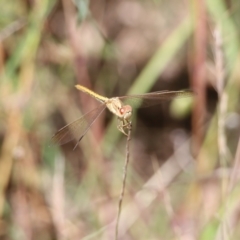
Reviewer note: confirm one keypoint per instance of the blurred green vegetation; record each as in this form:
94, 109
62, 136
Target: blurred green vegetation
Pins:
115, 48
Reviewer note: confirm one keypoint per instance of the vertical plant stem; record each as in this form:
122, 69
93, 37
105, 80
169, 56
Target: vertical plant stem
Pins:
220, 75
124, 180
222, 145
199, 74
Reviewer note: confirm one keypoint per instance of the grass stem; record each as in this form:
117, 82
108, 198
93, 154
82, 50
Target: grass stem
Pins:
124, 180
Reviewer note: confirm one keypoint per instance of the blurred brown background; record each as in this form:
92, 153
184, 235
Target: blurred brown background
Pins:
184, 155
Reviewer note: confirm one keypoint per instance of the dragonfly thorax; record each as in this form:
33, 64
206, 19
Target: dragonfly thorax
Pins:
116, 106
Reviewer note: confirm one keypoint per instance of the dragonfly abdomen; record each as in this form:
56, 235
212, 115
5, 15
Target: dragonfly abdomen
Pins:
98, 97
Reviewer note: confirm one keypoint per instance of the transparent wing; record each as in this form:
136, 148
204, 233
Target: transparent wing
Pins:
154, 98
78, 128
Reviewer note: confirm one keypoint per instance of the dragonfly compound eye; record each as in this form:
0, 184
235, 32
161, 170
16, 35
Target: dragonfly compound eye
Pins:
126, 111
122, 111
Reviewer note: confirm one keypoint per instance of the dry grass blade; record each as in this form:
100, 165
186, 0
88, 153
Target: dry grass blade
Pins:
124, 180
11, 28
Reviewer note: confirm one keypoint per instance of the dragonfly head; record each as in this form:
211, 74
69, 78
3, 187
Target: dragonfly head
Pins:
126, 111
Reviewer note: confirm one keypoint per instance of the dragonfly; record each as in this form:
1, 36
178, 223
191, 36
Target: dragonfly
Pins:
118, 106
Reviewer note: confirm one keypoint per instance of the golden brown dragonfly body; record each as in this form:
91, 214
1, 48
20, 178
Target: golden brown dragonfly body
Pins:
117, 106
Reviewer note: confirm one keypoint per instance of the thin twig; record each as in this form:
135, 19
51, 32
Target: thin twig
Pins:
199, 74
57, 198
235, 170
220, 78
12, 28
223, 232
124, 180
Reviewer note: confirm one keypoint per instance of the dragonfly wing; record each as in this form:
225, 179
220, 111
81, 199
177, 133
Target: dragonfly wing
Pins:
154, 98
78, 128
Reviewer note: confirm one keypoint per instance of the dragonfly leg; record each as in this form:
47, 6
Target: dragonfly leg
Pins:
123, 124
121, 129
129, 125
